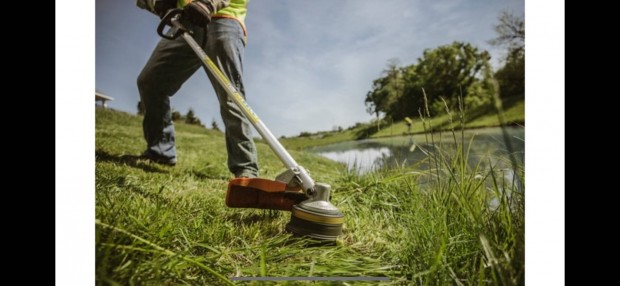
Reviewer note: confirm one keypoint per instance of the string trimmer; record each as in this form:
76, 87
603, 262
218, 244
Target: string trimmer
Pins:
294, 190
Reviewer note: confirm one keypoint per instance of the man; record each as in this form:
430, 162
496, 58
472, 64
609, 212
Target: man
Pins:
219, 26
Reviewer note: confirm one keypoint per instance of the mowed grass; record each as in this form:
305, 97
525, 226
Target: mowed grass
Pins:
159, 225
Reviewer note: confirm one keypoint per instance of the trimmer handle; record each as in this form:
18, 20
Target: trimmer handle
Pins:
171, 19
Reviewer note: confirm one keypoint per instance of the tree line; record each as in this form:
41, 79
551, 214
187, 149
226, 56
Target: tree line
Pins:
445, 75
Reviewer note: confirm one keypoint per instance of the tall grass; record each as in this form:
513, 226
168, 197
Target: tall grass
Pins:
468, 223
450, 224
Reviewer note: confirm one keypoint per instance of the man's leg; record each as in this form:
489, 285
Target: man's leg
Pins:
225, 47
170, 65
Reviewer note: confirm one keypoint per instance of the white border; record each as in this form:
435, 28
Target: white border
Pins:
544, 149
75, 142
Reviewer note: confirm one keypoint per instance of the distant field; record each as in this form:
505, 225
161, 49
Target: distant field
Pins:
514, 115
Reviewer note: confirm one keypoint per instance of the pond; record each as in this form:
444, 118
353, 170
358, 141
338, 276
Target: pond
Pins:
487, 146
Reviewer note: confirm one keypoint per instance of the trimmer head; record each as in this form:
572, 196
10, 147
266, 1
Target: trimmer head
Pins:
262, 194
316, 217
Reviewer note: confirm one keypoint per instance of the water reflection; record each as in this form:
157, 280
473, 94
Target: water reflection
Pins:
362, 159
486, 148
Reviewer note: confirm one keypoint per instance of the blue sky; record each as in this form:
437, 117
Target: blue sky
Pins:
308, 64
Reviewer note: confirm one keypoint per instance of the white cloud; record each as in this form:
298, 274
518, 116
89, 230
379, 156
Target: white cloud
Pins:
310, 64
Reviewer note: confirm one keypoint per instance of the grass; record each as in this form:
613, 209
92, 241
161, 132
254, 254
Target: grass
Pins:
486, 118
514, 114
321, 138
169, 225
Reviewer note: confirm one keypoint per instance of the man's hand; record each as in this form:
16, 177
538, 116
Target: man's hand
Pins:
198, 12
160, 7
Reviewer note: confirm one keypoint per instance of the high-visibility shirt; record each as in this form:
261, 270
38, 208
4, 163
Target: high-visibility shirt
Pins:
236, 9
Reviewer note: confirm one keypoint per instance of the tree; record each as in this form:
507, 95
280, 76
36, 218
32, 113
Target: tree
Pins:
176, 116
386, 90
140, 108
446, 72
214, 125
511, 77
511, 34
190, 118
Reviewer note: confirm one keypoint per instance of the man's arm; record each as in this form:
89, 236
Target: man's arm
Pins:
204, 7
198, 12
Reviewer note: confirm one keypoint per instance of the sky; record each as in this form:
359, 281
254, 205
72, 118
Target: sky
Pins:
308, 65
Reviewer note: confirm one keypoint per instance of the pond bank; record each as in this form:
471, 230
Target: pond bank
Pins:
514, 115
398, 151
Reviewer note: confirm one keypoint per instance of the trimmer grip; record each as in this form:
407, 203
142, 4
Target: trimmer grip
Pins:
167, 20
261, 194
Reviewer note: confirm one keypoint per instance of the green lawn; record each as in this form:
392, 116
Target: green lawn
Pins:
160, 225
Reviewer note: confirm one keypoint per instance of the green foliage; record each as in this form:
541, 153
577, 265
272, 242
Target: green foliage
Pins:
386, 91
450, 72
368, 130
214, 125
511, 77
190, 118
176, 116
511, 34
444, 73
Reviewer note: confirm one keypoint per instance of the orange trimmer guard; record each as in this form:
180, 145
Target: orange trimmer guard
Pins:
262, 194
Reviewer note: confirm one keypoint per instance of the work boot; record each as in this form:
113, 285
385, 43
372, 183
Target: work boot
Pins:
158, 159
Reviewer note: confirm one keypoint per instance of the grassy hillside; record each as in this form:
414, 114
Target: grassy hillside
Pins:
514, 113
159, 225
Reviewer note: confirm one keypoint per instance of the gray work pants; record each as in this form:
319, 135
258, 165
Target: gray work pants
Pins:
170, 65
